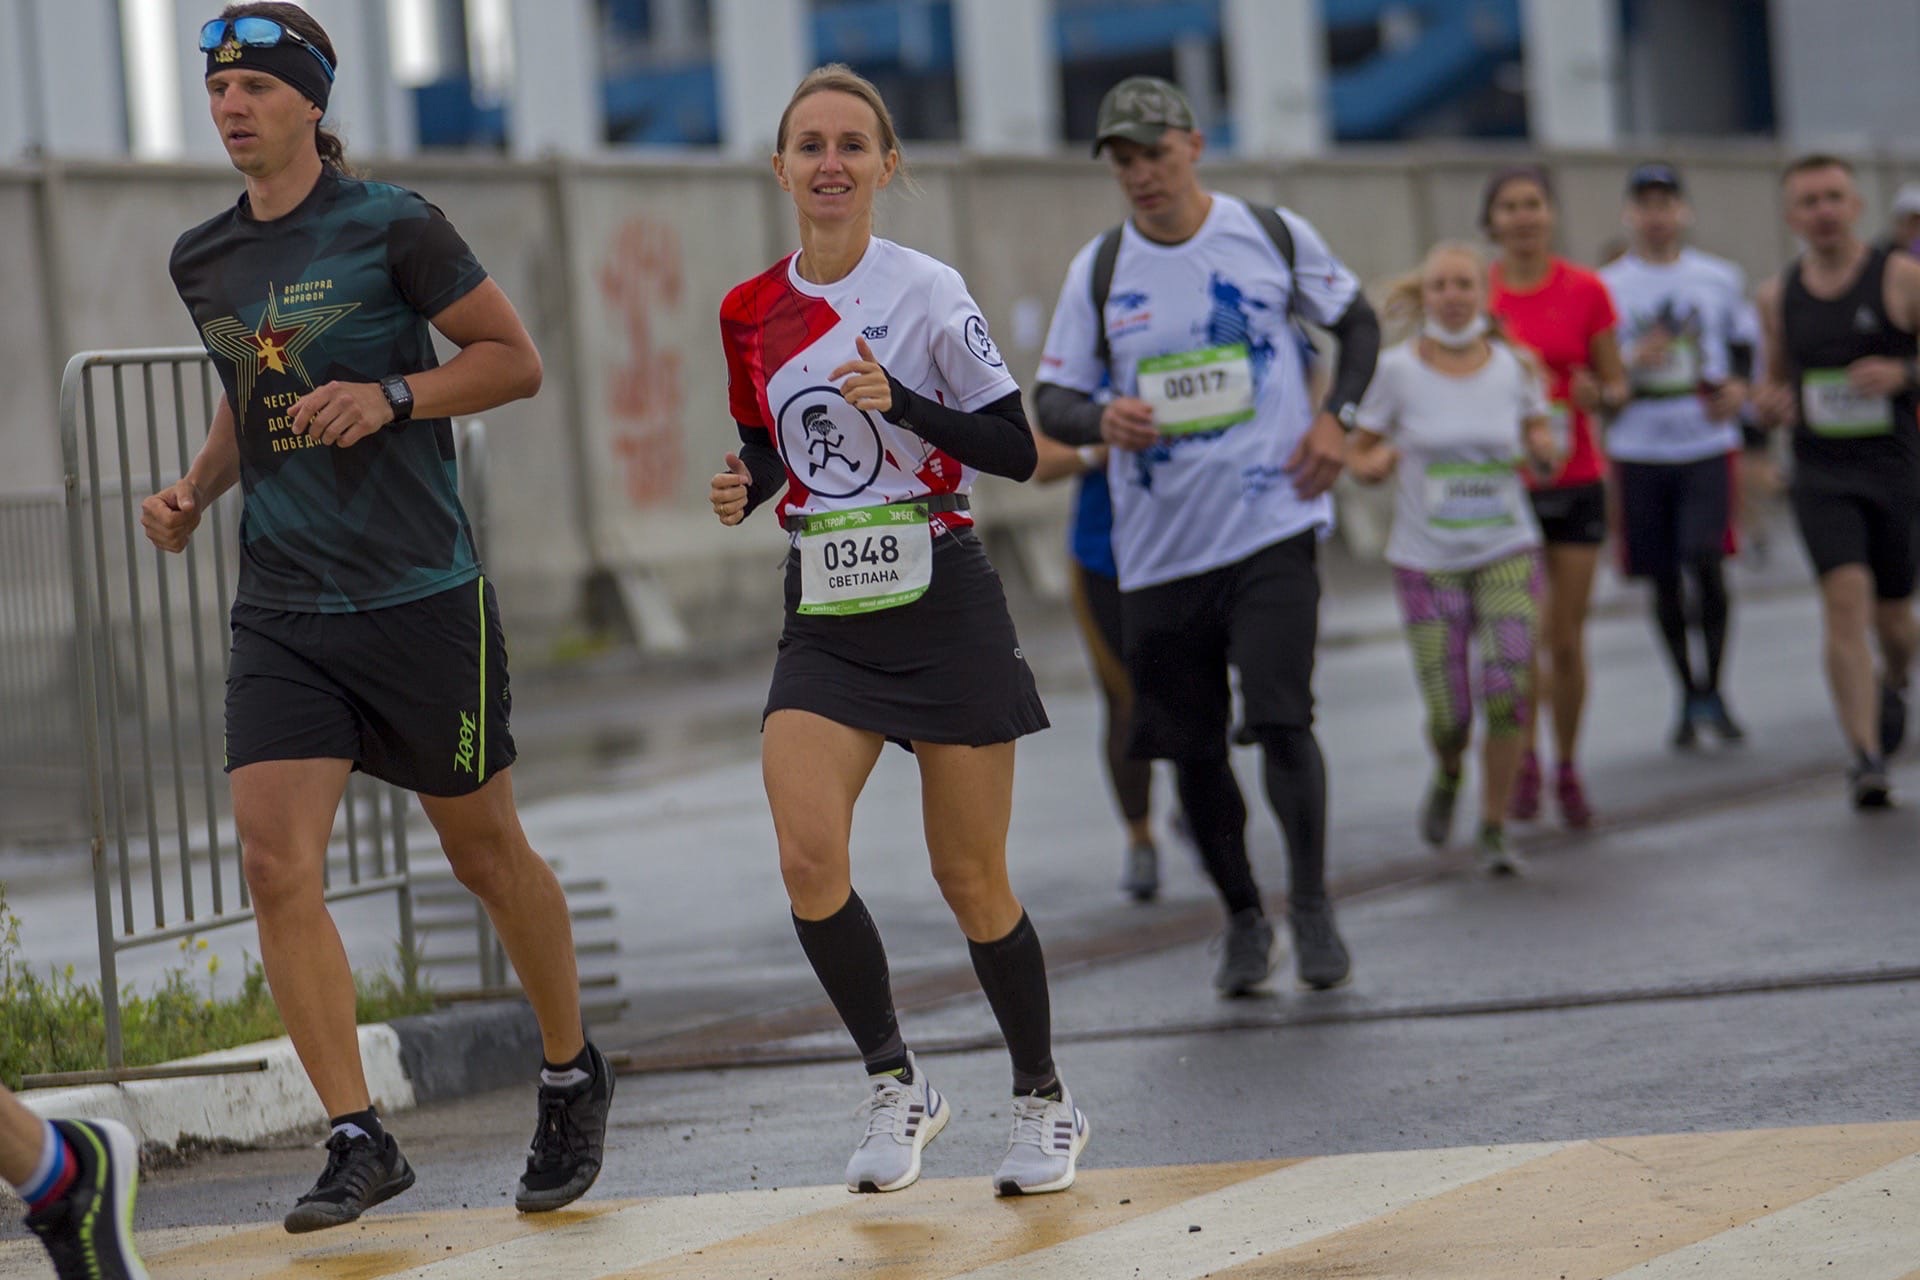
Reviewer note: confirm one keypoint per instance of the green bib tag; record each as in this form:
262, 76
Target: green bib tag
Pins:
1193, 391
865, 559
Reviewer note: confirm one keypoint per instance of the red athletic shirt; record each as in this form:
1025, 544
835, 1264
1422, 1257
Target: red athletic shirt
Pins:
1558, 319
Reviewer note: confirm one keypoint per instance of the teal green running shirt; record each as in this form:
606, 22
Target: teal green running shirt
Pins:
340, 289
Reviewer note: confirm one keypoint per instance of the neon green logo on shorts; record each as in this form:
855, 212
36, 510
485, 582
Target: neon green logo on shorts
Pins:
463, 754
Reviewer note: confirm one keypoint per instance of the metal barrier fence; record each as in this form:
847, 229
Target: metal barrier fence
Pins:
149, 648
40, 768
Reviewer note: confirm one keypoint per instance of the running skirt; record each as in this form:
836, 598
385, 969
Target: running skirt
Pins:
945, 669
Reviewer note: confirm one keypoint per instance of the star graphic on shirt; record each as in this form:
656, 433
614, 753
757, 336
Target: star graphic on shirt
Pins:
273, 344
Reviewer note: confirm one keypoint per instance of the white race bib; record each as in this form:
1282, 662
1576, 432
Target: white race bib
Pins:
1204, 390
1834, 408
865, 560
1472, 495
1677, 374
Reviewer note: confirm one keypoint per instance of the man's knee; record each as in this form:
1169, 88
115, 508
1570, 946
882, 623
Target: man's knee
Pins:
1289, 747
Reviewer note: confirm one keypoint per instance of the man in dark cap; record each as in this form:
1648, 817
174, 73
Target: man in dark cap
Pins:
1220, 467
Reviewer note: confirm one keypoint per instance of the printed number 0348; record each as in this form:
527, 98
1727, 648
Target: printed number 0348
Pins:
851, 553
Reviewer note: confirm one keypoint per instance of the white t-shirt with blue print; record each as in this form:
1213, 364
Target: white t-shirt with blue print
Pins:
1208, 498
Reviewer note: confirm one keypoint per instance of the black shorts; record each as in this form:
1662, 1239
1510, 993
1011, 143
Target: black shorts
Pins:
1673, 513
1261, 615
1861, 518
1753, 439
945, 669
415, 694
1575, 515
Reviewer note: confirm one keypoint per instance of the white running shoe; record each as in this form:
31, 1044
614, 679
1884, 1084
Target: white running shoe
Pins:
1048, 1137
901, 1120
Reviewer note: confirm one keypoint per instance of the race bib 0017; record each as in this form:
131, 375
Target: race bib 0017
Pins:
1203, 390
1472, 495
865, 560
1834, 408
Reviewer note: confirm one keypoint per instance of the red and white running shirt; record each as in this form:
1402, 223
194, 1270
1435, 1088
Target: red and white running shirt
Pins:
784, 336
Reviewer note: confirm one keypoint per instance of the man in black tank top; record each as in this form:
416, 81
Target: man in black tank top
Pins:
1841, 371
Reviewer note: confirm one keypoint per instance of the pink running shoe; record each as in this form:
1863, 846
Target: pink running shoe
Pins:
1524, 804
1574, 810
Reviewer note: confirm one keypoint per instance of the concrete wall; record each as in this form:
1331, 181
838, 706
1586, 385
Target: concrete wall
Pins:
618, 269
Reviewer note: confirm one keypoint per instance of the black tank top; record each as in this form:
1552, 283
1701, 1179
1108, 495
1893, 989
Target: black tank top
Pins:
1823, 336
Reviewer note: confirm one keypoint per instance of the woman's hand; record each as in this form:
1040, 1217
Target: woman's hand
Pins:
1371, 459
1543, 455
866, 386
728, 492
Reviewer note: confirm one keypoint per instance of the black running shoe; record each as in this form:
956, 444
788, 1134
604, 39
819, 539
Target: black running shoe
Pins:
1872, 789
361, 1172
1319, 957
1686, 732
1248, 956
88, 1231
565, 1155
1893, 719
1714, 714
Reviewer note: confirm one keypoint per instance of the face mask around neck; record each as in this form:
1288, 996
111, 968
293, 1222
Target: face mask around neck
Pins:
1455, 339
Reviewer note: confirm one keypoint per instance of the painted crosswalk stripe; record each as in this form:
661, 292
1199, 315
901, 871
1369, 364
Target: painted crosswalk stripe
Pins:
1834, 1202
1282, 1209
1863, 1230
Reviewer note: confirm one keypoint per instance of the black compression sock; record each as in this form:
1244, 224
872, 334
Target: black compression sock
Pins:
851, 962
365, 1121
1013, 973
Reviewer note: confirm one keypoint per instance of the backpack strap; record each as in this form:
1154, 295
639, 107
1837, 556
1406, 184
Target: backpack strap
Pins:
1104, 258
1107, 253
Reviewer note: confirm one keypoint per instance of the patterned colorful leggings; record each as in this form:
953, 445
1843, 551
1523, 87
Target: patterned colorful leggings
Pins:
1499, 604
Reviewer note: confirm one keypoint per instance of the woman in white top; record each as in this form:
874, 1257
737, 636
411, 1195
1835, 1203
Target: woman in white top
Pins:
1452, 410
865, 386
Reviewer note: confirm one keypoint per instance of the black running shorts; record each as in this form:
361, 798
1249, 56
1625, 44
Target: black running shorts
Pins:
1575, 515
415, 694
1864, 518
1261, 615
1673, 513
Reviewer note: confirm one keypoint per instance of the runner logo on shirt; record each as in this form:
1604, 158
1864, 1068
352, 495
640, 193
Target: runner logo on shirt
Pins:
833, 447
981, 343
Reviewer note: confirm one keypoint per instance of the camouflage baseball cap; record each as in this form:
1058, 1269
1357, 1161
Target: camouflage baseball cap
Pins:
1140, 109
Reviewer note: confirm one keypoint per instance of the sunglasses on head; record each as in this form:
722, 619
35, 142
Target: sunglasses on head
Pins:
258, 33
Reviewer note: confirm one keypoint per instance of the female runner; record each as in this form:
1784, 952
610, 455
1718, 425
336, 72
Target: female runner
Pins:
1563, 313
865, 385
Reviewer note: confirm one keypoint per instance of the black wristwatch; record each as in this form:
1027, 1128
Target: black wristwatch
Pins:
399, 396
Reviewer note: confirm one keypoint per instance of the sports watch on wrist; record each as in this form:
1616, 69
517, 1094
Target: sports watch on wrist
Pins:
1348, 415
399, 396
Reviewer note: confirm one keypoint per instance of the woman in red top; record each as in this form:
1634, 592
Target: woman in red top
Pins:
1562, 312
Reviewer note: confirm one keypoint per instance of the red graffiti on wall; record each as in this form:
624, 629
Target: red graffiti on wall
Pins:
642, 276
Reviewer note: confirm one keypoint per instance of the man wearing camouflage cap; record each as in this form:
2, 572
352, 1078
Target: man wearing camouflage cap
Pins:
1220, 468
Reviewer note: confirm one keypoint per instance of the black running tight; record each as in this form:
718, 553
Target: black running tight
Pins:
1670, 615
1296, 784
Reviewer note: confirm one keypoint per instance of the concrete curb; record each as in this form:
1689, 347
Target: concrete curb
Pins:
430, 1057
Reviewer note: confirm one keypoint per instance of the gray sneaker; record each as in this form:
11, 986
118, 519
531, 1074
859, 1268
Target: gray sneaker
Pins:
901, 1120
1436, 815
1141, 879
1047, 1139
1247, 958
1319, 957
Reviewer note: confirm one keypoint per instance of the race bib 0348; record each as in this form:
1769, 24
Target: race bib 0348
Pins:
865, 559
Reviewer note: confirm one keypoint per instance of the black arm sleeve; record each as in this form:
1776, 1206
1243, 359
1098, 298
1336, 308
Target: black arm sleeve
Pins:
1740, 360
1359, 334
1069, 416
768, 472
995, 439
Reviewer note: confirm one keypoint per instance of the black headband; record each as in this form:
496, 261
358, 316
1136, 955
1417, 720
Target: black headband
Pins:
285, 61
